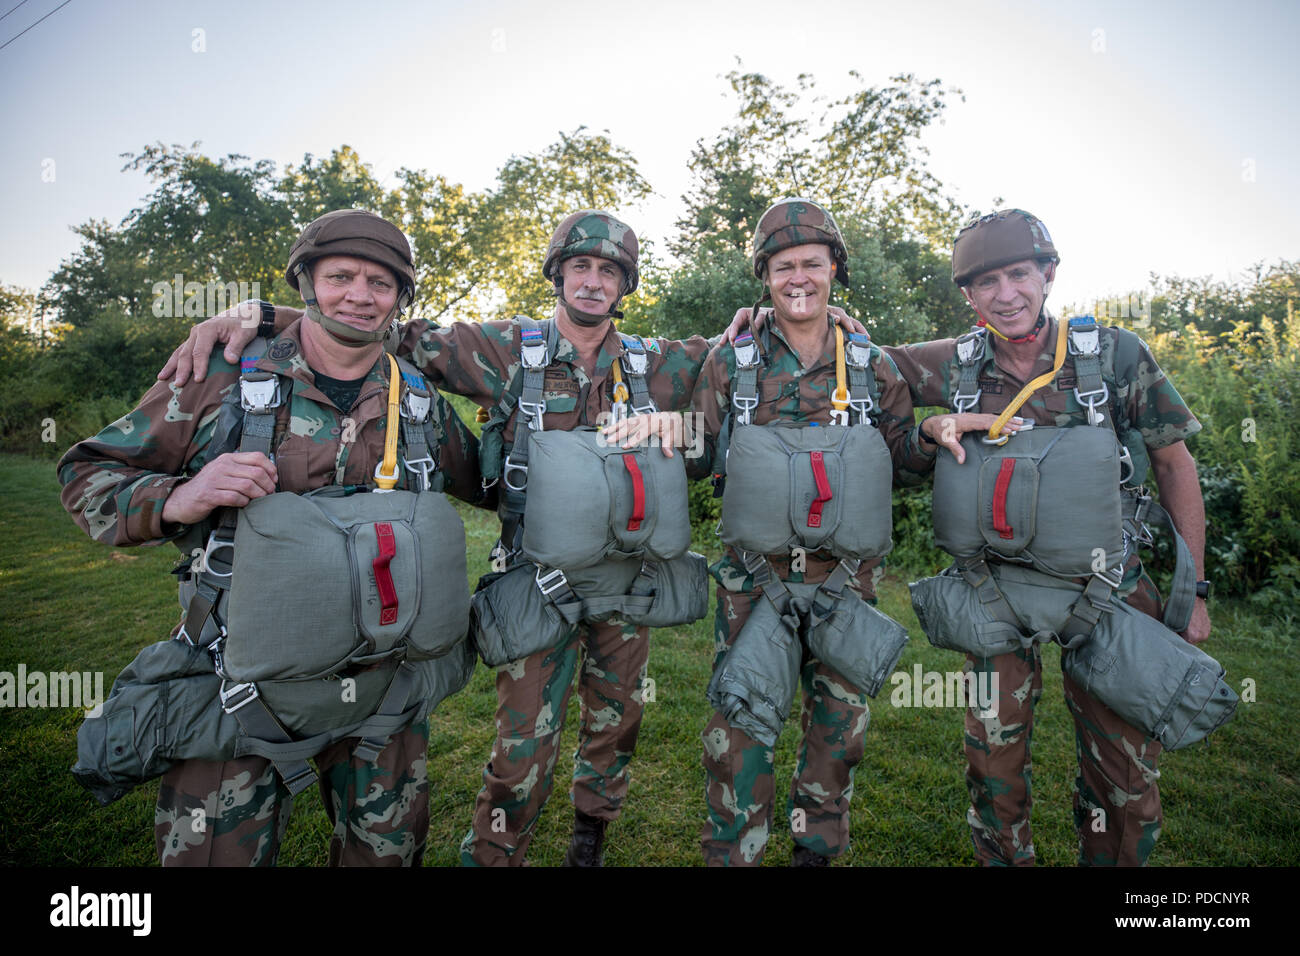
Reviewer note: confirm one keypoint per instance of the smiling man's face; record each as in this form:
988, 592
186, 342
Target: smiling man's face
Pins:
1009, 298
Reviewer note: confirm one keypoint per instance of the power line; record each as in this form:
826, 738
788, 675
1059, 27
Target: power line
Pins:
41, 20
20, 3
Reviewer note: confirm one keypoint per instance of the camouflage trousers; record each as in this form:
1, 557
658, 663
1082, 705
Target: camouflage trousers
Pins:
740, 784
235, 812
532, 699
1116, 800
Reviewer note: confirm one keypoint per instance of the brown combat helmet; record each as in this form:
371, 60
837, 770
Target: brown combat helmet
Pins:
594, 232
797, 222
354, 232
999, 239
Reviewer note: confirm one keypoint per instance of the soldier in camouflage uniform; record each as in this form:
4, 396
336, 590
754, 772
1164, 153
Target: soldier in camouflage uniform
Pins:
798, 250
150, 476
592, 261
1005, 264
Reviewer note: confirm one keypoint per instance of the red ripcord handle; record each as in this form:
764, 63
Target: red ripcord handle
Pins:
638, 493
383, 576
1000, 498
823, 491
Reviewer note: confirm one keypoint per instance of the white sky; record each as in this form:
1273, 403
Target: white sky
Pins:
1162, 138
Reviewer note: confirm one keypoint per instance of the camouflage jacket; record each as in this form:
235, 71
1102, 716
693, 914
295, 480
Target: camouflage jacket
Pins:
789, 392
115, 484
478, 360
1140, 396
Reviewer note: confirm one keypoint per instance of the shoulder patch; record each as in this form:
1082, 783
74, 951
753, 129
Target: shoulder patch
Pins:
282, 350
652, 345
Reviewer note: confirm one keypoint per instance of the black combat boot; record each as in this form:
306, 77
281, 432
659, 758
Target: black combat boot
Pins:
806, 857
588, 845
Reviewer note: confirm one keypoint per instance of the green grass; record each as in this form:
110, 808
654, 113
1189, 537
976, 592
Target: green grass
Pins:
68, 603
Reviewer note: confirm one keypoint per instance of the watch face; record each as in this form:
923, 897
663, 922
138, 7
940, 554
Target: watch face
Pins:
1202, 589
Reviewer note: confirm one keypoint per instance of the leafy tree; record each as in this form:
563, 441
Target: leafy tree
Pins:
534, 193
316, 187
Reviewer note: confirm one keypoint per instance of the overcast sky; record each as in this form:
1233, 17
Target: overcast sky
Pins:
1153, 137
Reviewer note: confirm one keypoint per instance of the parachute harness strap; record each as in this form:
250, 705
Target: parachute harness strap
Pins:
1007, 413
386, 470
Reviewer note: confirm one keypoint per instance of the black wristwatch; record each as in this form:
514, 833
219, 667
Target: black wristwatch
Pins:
1203, 589
266, 328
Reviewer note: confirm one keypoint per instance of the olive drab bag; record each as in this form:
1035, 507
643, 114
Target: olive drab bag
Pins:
166, 707
1049, 496
791, 485
590, 500
589, 530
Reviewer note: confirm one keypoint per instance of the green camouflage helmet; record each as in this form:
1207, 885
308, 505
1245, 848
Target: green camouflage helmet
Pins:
999, 239
592, 232
797, 222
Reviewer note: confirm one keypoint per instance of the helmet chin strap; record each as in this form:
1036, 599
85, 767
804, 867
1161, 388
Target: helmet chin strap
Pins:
587, 319
341, 332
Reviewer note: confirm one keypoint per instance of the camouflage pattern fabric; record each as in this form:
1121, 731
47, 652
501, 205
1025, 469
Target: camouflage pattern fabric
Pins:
740, 788
797, 222
478, 361
1117, 763
235, 813
115, 485
533, 698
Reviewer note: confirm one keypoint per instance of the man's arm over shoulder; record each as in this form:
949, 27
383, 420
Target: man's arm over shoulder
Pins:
924, 366
474, 359
912, 460
677, 369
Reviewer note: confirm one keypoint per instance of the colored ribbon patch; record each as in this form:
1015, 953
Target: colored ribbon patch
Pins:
1000, 498
823, 491
638, 493
383, 576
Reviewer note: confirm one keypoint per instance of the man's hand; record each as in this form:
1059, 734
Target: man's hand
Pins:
946, 430
237, 326
634, 431
1198, 628
741, 320
233, 480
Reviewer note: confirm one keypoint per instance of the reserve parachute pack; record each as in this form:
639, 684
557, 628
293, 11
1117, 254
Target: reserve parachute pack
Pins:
813, 487
1027, 517
296, 593
589, 530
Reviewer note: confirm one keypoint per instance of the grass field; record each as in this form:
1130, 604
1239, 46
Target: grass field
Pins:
68, 603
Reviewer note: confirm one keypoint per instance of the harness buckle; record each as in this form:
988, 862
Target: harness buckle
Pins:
532, 413
509, 467
379, 473
421, 468
970, 347
858, 353
416, 406
532, 350
635, 361
259, 392
1090, 400
864, 407
241, 694
552, 580
1125, 461
964, 403
744, 406
840, 416
216, 545
1084, 337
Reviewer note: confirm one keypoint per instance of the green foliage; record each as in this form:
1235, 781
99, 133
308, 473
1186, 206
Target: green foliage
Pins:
1244, 386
